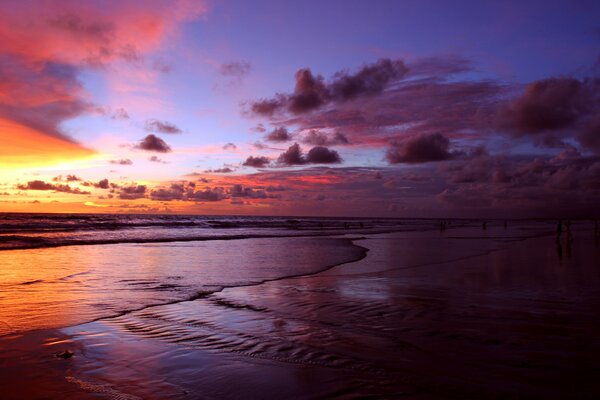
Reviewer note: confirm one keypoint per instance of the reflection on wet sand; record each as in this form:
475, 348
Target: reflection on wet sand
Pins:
424, 315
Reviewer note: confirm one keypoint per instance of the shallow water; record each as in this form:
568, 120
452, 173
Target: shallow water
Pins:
56, 287
462, 313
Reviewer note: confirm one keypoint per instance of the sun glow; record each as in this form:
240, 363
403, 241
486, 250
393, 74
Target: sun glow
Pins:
24, 147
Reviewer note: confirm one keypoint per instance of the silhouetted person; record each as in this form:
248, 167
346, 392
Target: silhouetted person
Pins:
559, 250
484, 225
558, 231
505, 224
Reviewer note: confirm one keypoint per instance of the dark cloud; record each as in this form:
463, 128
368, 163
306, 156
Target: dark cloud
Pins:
102, 184
292, 156
371, 79
318, 138
589, 136
187, 191
419, 149
555, 110
317, 155
548, 105
41, 185
278, 135
566, 182
237, 69
67, 178
428, 99
122, 161
256, 162
153, 143
266, 107
323, 155
132, 192
154, 125
215, 194
174, 192
224, 170
229, 146
312, 92
248, 192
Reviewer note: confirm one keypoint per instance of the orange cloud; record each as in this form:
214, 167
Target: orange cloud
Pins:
24, 147
96, 32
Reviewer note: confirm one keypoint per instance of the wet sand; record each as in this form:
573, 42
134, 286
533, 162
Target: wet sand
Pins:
423, 315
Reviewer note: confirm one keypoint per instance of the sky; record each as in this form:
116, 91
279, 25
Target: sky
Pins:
318, 108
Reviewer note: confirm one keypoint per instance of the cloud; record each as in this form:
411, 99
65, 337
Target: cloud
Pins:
215, 194
174, 192
589, 135
256, 162
278, 135
122, 161
41, 60
229, 146
419, 149
102, 184
318, 138
153, 143
567, 182
154, 125
248, 192
292, 156
132, 192
41, 185
67, 178
236, 69
312, 92
389, 100
369, 80
555, 109
548, 105
322, 155
156, 159
224, 170
317, 155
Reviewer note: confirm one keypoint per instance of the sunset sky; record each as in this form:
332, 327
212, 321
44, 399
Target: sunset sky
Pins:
356, 108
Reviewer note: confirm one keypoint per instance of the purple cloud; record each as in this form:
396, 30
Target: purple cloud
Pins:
153, 143
419, 149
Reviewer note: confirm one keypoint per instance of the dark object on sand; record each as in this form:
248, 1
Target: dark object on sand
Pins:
65, 354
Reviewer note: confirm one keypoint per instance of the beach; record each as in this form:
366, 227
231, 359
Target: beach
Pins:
463, 312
